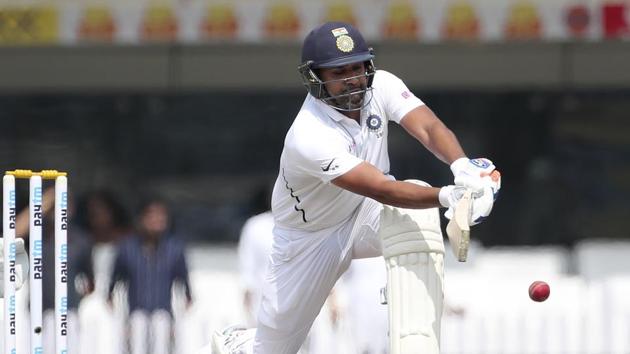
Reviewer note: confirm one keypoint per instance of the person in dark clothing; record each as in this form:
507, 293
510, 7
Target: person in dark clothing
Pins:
150, 263
103, 216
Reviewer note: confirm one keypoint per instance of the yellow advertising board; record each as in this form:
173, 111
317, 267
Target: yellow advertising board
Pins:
33, 22
28, 25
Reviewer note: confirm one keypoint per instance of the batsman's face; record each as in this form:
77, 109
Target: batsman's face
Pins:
346, 83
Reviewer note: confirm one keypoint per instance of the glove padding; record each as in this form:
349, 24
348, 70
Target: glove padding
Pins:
480, 208
476, 174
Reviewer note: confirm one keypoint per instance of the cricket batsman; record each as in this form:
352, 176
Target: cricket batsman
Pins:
334, 201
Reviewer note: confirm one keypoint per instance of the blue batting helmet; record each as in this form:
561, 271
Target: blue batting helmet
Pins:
330, 45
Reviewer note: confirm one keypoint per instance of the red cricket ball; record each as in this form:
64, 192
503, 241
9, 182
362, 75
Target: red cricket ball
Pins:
539, 291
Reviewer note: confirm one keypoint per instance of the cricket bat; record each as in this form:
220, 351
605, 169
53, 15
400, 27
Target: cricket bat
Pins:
458, 228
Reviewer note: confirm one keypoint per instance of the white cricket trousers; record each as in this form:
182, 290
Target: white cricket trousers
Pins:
303, 269
150, 332
48, 332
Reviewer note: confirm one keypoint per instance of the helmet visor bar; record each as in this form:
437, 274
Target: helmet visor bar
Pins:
354, 100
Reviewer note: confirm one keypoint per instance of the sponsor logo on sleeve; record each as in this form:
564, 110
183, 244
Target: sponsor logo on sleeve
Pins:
329, 166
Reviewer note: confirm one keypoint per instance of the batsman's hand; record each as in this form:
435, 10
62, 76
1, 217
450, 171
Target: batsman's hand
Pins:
480, 208
476, 175
450, 195
21, 264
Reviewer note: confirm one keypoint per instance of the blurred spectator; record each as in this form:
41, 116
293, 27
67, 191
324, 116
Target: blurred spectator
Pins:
102, 215
150, 262
254, 248
106, 221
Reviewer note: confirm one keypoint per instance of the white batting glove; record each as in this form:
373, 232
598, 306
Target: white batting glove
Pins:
450, 195
481, 205
476, 174
21, 264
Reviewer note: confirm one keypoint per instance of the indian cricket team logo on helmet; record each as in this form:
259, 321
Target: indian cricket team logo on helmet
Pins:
345, 43
374, 123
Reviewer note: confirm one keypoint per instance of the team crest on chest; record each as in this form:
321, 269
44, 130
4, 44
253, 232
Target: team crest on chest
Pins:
375, 124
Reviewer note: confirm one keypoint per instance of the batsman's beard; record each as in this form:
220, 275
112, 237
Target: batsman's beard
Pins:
350, 100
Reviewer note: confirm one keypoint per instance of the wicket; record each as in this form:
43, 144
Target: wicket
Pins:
35, 258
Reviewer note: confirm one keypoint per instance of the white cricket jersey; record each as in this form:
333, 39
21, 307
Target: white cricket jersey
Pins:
323, 144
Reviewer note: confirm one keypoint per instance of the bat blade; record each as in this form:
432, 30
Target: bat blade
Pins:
458, 228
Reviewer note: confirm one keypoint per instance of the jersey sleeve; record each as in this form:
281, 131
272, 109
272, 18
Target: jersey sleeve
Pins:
326, 158
398, 100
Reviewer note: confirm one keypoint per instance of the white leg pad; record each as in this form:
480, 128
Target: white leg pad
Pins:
414, 252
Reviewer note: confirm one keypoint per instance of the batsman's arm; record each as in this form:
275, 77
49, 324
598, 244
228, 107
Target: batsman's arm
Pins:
367, 180
428, 129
